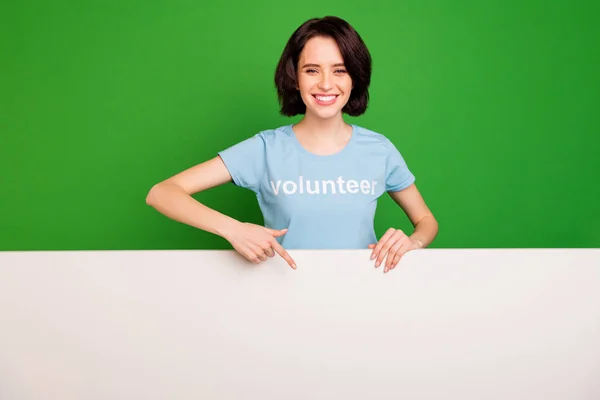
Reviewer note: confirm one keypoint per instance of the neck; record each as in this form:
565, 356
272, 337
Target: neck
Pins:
330, 128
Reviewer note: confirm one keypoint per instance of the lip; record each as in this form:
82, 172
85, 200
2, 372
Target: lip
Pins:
325, 103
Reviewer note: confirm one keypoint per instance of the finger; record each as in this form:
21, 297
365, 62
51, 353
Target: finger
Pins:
380, 247
397, 237
383, 253
258, 253
381, 242
284, 254
386, 247
253, 258
277, 232
406, 247
398, 247
267, 248
261, 255
372, 246
397, 258
269, 252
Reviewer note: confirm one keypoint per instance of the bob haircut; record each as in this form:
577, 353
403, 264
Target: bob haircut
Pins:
357, 60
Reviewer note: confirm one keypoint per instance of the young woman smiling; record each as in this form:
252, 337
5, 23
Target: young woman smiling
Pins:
317, 182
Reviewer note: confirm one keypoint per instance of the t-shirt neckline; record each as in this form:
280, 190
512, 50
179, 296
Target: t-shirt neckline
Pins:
328, 156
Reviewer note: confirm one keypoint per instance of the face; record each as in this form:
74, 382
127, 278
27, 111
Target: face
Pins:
323, 80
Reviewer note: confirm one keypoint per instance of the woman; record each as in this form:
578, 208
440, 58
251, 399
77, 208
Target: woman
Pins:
317, 182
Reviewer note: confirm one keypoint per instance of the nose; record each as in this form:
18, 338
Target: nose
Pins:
325, 82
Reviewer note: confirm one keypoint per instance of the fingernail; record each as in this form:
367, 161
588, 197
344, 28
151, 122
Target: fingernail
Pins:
294, 266
373, 256
377, 264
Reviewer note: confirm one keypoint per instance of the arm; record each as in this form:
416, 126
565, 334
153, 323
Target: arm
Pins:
413, 204
173, 198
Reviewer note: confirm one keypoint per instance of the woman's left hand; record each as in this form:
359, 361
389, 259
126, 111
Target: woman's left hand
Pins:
392, 246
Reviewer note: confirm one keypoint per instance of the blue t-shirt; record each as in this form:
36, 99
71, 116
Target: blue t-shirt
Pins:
326, 202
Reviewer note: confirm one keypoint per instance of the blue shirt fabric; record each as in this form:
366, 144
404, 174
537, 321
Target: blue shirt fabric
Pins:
326, 202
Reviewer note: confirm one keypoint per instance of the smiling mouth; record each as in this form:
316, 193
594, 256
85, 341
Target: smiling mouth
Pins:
328, 99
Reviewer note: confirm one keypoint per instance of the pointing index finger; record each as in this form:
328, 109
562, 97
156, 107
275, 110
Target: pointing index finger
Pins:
284, 254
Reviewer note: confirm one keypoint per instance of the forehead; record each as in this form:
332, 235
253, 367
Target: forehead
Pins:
321, 50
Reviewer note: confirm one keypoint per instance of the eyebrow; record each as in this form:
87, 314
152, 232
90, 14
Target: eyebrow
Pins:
317, 65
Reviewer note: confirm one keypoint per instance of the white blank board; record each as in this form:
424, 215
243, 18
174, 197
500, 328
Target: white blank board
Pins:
467, 324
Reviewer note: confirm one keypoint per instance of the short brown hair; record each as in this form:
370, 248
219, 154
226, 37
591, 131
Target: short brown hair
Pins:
357, 60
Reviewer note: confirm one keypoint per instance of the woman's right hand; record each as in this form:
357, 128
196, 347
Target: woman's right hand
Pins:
257, 243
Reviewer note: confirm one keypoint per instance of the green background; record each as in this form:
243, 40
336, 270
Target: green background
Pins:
494, 105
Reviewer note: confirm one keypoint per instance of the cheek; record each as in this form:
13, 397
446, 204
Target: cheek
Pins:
304, 86
349, 85
346, 86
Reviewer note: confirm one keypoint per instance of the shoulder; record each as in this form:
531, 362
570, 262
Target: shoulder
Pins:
264, 140
366, 136
268, 139
273, 135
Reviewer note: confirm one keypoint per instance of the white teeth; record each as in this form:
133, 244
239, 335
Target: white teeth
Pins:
325, 98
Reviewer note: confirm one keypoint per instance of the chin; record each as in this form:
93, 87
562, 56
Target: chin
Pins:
325, 113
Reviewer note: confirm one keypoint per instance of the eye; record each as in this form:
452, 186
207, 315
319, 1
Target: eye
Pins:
340, 71
311, 71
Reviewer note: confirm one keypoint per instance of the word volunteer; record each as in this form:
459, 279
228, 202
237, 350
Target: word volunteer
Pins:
339, 186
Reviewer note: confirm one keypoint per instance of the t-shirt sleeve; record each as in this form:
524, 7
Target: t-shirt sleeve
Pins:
246, 162
397, 175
